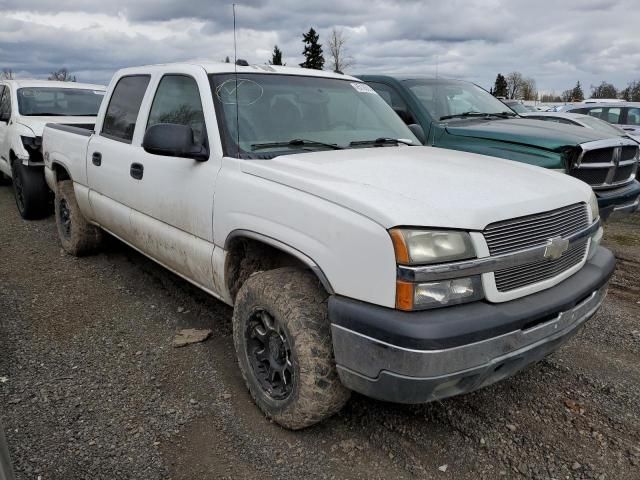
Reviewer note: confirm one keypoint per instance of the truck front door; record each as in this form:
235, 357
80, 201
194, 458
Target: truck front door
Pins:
172, 216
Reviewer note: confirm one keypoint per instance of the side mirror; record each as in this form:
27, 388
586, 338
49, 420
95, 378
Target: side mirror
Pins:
418, 132
173, 140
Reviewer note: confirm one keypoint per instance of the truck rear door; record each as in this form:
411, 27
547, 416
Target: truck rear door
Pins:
111, 153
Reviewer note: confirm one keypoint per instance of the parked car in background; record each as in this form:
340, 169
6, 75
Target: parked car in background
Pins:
579, 120
354, 257
626, 115
459, 115
25, 107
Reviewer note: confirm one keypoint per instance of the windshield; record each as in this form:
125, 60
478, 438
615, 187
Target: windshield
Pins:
46, 101
441, 98
297, 113
601, 125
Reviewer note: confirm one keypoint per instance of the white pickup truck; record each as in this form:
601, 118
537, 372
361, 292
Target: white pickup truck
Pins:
25, 107
354, 259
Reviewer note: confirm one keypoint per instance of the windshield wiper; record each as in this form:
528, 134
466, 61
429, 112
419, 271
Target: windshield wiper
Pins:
479, 114
296, 142
382, 141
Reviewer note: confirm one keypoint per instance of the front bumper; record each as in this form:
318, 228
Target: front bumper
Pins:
416, 357
623, 199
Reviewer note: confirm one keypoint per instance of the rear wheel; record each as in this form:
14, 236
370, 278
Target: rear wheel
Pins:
77, 236
283, 342
31, 191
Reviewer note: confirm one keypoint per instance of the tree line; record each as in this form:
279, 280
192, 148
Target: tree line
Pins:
314, 54
516, 86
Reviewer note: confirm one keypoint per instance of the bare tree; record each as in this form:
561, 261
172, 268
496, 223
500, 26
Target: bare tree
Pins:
514, 84
528, 90
62, 75
337, 41
7, 74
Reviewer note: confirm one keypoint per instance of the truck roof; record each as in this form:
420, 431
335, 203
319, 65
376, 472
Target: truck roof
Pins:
223, 67
19, 83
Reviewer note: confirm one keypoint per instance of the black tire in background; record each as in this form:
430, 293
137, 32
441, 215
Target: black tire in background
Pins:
30, 191
281, 330
77, 236
6, 470
4, 179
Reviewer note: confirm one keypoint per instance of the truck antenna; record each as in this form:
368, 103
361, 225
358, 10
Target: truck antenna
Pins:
235, 70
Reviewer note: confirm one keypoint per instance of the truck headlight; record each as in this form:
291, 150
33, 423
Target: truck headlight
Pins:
419, 247
421, 296
31, 143
593, 206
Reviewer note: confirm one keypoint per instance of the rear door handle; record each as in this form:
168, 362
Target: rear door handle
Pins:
96, 158
137, 171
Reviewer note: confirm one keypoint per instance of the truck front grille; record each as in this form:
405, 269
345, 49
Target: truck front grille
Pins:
607, 167
533, 231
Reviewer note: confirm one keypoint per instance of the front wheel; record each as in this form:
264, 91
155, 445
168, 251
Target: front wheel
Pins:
31, 191
283, 342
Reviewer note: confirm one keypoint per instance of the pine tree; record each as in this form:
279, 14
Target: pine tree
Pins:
500, 86
577, 95
276, 58
312, 51
226, 60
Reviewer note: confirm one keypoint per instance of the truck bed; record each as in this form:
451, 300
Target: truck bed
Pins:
67, 145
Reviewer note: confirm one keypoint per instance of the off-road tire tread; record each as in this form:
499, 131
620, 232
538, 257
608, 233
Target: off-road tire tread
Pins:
85, 238
299, 302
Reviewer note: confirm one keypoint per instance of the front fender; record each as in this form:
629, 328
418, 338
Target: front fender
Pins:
354, 253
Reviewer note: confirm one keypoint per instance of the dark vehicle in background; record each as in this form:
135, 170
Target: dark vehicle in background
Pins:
459, 115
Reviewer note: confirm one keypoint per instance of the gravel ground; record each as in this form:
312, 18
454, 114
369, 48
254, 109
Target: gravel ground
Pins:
90, 386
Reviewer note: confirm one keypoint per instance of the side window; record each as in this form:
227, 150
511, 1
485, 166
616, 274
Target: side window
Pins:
612, 115
5, 102
392, 97
633, 116
177, 100
124, 105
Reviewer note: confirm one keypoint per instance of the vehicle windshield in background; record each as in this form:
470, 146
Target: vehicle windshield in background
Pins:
50, 101
518, 107
290, 113
444, 98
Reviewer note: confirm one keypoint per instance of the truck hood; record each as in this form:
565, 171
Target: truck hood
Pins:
37, 123
423, 186
538, 133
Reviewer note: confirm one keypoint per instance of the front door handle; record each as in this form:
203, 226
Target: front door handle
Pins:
137, 171
96, 158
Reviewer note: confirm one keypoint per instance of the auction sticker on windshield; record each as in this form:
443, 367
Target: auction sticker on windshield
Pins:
363, 88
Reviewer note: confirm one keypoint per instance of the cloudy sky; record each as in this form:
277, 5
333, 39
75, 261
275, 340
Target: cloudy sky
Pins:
554, 41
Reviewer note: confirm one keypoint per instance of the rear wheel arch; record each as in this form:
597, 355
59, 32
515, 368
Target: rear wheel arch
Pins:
250, 252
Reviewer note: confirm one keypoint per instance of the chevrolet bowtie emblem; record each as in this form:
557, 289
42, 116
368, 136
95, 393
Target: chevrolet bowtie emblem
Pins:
556, 246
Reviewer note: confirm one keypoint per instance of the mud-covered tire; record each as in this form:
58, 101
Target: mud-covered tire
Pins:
30, 191
297, 302
77, 236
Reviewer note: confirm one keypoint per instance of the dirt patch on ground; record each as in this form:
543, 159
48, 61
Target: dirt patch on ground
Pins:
95, 390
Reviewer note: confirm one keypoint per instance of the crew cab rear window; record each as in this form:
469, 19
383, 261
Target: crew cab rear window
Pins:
177, 100
124, 105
